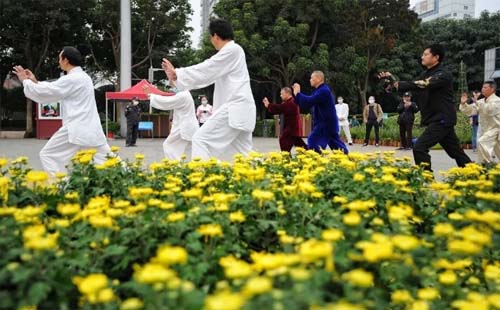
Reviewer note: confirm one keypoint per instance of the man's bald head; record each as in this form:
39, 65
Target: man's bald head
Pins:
317, 78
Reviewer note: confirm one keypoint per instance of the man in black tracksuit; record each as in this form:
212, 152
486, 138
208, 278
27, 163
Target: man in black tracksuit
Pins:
433, 91
133, 115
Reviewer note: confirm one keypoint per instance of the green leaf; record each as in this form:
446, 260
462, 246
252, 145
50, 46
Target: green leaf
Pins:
38, 292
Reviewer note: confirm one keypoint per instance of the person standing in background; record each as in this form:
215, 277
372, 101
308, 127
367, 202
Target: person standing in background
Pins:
372, 116
406, 118
204, 111
342, 109
133, 115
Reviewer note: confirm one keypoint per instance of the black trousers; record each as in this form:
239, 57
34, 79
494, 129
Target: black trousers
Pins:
132, 130
443, 134
405, 134
369, 126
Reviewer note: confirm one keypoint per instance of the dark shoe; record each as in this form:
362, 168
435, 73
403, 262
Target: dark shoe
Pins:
133, 145
128, 145
400, 148
365, 144
350, 143
408, 149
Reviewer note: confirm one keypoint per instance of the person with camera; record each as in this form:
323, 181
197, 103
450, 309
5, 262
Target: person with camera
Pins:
372, 116
204, 111
433, 90
133, 115
406, 110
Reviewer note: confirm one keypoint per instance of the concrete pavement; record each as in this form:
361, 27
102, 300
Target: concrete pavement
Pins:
153, 151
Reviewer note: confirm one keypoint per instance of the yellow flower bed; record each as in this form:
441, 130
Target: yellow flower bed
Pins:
269, 231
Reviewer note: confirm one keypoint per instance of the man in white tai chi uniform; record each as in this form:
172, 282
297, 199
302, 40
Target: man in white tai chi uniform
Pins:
184, 123
342, 110
81, 127
488, 110
229, 130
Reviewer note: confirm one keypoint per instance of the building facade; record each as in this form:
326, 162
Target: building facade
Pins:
207, 9
451, 9
492, 64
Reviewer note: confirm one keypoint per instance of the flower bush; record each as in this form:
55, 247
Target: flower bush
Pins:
390, 129
274, 231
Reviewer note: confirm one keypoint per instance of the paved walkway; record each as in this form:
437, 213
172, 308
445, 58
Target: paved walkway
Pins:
152, 149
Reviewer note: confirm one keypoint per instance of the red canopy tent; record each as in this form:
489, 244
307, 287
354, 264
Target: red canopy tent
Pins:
130, 93
136, 91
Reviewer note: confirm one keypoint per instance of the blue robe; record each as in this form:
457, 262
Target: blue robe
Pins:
325, 131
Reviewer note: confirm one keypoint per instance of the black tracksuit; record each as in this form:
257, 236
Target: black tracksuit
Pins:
405, 121
433, 92
132, 113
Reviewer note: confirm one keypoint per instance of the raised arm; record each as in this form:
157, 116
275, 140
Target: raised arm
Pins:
47, 92
307, 102
171, 102
206, 72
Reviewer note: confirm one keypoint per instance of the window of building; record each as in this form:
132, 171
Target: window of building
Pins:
454, 14
497, 59
466, 7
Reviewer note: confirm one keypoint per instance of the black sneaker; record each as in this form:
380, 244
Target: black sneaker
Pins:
365, 144
350, 143
128, 145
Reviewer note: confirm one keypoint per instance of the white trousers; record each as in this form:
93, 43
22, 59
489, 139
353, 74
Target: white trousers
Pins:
57, 153
217, 139
347, 132
488, 143
174, 147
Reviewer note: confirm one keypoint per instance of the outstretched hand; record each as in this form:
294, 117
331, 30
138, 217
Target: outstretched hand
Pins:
296, 88
169, 69
464, 98
384, 74
265, 101
21, 73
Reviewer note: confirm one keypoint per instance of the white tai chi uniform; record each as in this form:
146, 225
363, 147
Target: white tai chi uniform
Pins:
343, 115
489, 120
229, 130
184, 123
81, 126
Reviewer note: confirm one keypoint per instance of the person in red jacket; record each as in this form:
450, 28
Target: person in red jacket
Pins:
292, 129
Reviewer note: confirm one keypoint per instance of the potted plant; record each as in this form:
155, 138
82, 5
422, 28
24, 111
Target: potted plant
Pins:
113, 128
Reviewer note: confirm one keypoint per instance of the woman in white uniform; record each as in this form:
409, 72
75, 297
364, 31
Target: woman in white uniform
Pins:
81, 126
184, 123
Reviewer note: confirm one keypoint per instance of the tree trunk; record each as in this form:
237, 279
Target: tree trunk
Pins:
362, 95
29, 119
